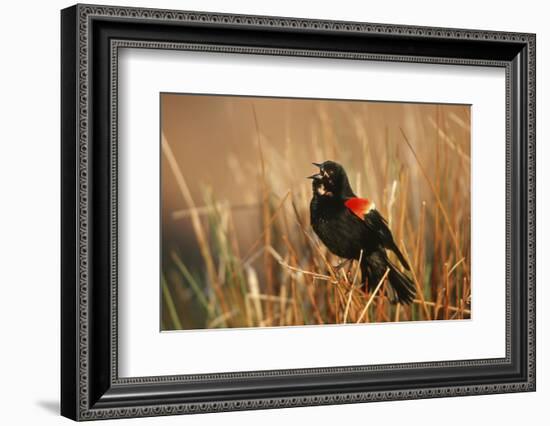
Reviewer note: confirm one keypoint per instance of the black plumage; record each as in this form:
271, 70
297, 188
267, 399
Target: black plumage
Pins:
352, 228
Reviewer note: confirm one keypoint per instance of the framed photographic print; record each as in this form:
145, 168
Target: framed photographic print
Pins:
263, 212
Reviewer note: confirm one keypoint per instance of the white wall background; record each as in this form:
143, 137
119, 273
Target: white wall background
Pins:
29, 211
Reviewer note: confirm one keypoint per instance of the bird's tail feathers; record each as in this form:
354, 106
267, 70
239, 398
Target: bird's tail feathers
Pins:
403, 286
373, 268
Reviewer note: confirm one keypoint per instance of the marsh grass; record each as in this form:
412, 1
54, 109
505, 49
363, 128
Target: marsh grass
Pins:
287, 277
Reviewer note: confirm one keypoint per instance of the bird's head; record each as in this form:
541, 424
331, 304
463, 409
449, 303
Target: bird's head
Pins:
331, 180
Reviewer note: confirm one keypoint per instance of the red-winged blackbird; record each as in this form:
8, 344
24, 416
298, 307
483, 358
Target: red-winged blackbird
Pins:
348, 225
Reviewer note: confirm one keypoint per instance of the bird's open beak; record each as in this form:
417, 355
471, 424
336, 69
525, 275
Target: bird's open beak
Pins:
316, 175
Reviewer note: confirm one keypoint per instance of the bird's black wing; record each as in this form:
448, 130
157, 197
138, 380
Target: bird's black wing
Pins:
379, 226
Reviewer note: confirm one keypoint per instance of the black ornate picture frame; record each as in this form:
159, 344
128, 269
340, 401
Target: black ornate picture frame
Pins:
91, 37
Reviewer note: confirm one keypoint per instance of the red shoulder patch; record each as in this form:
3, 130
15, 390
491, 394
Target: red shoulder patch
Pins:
359, 206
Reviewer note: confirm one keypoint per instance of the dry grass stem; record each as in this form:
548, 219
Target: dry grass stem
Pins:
365, 309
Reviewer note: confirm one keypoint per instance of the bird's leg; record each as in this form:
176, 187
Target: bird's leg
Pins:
341, 264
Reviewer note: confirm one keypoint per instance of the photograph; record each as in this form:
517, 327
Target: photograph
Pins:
280, 212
